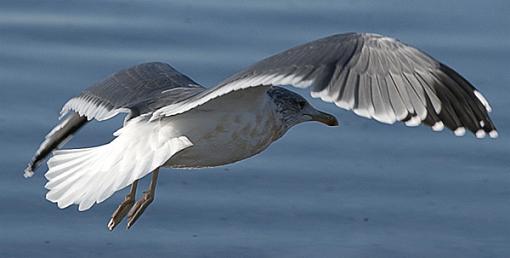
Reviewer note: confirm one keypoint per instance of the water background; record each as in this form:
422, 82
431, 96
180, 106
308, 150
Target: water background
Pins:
361, 190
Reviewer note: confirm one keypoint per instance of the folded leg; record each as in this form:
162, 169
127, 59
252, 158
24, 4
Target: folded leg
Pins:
124, 207
147, 198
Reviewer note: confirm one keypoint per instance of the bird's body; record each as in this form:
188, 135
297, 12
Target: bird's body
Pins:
224, 131
174, 122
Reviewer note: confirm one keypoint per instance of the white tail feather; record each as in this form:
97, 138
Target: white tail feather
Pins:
91, 175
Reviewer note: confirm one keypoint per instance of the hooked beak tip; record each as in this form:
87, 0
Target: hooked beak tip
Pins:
332, 122
325, 118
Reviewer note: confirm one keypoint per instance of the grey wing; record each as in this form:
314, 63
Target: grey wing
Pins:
138, 90
375, 76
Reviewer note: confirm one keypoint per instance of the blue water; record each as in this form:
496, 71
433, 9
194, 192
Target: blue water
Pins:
361, 190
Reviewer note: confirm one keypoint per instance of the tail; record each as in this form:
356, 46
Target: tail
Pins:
57, 137
73, 175
91, 175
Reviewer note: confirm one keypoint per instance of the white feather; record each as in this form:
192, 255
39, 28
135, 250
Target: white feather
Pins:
480, 134
413, 121
91, 110
484, 101
460, 131
91, 175
438, 126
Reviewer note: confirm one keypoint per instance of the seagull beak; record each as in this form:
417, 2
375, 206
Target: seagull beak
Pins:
324, 118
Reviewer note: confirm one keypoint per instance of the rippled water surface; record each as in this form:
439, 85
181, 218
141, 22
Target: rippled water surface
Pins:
361, 190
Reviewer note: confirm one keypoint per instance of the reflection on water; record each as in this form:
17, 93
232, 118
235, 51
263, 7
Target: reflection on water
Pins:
360, 190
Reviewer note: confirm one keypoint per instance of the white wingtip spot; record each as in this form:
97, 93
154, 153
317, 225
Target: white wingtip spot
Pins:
28, 173
480, 134
438, 126
460, 131
483, 100
414, 121
493, 134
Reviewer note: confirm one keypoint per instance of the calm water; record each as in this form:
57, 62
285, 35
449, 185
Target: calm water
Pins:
361, 190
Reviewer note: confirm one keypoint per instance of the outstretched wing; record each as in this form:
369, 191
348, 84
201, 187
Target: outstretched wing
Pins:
138, 90
375, 76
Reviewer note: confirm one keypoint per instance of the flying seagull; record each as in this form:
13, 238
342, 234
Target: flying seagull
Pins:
174, 122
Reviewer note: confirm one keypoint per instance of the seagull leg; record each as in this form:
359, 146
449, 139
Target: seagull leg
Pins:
147, 198
124, 207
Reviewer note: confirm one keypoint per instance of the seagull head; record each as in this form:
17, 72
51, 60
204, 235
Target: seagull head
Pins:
295, 109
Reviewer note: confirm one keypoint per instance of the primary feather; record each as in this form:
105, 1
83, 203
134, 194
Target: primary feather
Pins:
375, 76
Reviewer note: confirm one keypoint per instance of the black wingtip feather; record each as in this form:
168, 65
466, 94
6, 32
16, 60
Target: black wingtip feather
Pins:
68, 126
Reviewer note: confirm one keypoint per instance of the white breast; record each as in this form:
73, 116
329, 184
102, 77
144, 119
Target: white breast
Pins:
228, 129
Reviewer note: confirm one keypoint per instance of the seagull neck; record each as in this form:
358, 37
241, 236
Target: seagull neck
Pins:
282, 121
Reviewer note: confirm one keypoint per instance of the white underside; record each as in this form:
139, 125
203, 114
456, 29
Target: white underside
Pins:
226, 130
91, 175
231, 128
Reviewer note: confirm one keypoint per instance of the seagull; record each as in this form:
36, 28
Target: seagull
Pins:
171, 121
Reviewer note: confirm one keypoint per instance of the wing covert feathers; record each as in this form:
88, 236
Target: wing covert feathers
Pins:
375, 76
